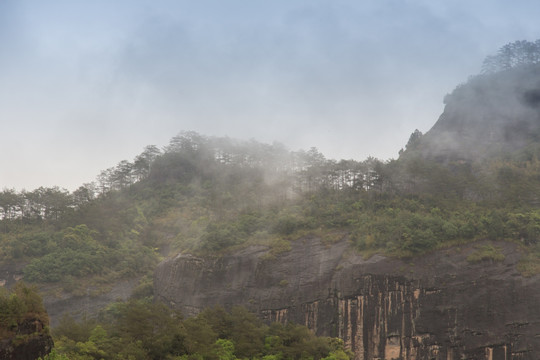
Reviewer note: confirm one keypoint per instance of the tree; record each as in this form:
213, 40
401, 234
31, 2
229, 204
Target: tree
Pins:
47, 203
105, 180
187, 142
224, 349
159, 330
9, 200
122, 175
414, 140
517, 53
143, 162
313, 169
20, 303
84, 194
57, 202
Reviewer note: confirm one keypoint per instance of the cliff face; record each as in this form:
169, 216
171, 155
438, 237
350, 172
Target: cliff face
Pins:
59, 303
88, 305
30, 342
440, 307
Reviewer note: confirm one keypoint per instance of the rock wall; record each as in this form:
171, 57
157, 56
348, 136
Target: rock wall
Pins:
30, 342
58, 302
441, 307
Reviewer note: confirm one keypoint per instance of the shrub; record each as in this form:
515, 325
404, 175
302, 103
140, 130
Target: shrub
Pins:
486, 252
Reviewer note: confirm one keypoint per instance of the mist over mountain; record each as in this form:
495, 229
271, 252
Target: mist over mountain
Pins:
493, 113
433, 255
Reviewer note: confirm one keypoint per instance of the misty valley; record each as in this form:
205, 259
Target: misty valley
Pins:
218, 248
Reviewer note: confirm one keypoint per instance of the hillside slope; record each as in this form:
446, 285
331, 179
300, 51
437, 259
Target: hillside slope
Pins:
281, 231
490, 115
471, 180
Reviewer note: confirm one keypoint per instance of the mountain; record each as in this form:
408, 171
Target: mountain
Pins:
462, 299
433, 255
490, 115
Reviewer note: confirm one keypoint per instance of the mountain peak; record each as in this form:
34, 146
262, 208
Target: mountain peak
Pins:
486, 116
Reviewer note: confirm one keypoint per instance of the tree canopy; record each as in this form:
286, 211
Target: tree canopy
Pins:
140, 329
511, 55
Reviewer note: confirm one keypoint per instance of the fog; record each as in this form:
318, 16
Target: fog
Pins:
494, 113
87, 84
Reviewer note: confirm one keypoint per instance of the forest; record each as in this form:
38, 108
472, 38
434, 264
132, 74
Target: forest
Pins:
210, 196
211, 200
142, 329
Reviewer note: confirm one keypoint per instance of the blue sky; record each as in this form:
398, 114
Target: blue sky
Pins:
86, 84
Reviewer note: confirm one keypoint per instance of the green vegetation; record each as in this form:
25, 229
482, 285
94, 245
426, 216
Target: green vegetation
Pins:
515, 54
209, 196
486, 252
53, 355
76, 252
530, 263
20, 304
141, 329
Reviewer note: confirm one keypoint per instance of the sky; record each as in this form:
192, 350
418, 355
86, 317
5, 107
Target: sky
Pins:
86, 84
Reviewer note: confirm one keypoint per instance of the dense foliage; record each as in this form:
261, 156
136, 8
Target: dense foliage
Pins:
19, 304
511, 55
208, 195
140, 329
199, 194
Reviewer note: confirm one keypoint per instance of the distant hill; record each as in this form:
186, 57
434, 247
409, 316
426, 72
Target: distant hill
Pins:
485, 146
491, 114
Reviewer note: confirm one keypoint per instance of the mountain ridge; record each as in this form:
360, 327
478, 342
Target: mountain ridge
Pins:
488, 115
268, 226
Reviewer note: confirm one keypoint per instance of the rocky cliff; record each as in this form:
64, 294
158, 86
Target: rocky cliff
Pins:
30, 342
59, 303
439, 307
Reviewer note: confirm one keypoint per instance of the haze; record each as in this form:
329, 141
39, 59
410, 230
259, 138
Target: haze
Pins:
85, 84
